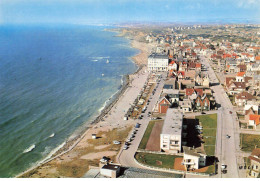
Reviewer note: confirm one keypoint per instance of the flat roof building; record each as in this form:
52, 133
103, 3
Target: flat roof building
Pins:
170, 138
158, 62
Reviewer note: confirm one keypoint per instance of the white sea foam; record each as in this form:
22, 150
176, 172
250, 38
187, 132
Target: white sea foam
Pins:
29, 149
52, 135
99, 58
94, 60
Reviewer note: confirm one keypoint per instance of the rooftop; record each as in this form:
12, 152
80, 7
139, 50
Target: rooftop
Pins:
173, 122
160, 56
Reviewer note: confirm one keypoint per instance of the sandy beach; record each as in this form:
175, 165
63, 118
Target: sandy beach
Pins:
74, 159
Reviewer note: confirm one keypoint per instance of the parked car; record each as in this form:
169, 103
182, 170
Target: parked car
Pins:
230, 112
125, 147
203, 113
104, 159
137, 125
116, 142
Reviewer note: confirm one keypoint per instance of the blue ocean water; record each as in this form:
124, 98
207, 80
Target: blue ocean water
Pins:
51, 84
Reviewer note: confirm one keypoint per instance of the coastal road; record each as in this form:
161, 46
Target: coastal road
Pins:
126, 157
226, 148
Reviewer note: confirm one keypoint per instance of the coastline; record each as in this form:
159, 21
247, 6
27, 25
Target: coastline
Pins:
140, 60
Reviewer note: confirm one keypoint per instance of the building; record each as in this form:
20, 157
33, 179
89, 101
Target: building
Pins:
163, 105
255, 163
193, 158
158, 62
170, 138
186, 105
242, 98
110, 170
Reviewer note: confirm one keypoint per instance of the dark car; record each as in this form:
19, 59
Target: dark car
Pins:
137, 125
230, 112
203, 113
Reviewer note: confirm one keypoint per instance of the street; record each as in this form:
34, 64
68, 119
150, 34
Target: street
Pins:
226, 148
126, 157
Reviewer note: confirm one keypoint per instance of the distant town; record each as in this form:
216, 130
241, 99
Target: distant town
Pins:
191, 110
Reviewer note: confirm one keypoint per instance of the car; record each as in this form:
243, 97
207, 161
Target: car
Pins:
116, 142
137, 125
125, 147
203, 113
104, 159
230, 112
228, 136
129, 140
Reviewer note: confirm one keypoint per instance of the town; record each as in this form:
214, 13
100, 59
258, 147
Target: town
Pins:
197, 114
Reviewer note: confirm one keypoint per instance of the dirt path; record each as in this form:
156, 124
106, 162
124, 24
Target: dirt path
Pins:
153, 143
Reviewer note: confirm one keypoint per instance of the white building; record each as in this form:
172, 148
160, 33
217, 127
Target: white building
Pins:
193, 158
158, 62
110, 170
170, 138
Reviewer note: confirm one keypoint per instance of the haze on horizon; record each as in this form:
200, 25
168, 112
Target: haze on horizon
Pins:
122, 11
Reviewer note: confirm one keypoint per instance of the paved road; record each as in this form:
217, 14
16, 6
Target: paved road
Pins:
226, 148
126, 157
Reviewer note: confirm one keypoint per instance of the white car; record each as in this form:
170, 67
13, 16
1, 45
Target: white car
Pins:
116, 142
125, 147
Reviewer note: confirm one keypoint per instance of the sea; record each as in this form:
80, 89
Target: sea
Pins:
54, 80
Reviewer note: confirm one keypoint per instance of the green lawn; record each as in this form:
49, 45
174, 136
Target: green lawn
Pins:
210, 140
147, 133
209, 132
210, 150
249, 141
156, 160
209, 123
211, 169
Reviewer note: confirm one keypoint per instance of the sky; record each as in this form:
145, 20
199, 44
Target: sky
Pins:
123, 11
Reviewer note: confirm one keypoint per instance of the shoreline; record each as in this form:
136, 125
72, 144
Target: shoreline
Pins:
70, 144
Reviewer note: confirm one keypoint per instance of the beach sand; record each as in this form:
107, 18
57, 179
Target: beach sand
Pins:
86, 151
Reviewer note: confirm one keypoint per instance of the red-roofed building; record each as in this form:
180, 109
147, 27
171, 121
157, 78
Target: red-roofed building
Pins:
240, 77
255, 163
163, 105
254, 120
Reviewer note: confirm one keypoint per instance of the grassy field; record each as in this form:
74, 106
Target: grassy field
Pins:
77, 167
156, 160
147, 133
249, 141
209, 123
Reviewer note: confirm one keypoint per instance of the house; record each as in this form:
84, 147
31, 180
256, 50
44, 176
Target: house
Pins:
193, 93
170, 84
202, 103
198, 67
163, 105
251, 105
171, 134
241, 68
158, 62
202, 80
240, 77
172, 95
173, 66
194, 158
255, 163
185, 105
254, 120
236, 87
110, 170
229, 80
242, 98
